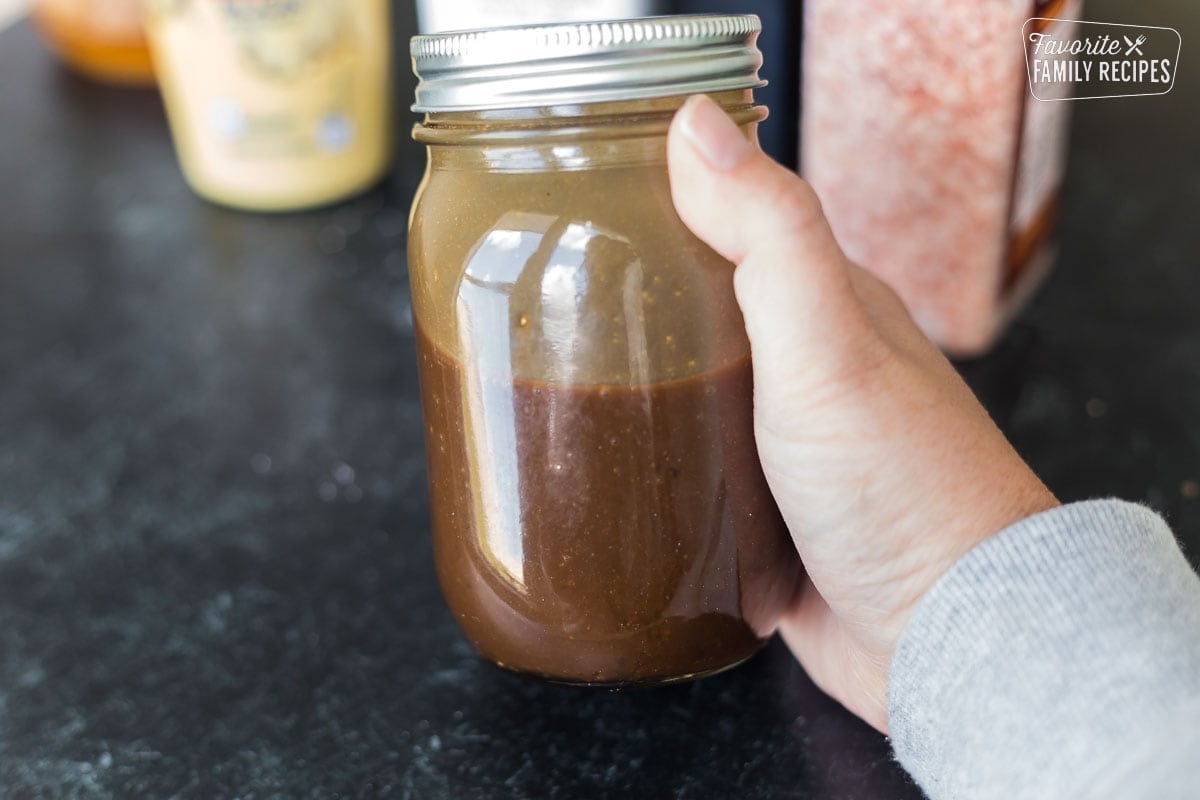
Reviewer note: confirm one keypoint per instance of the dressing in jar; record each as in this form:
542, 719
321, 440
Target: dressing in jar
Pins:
599, 511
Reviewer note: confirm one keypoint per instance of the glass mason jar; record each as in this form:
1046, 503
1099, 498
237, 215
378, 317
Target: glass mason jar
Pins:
599, 512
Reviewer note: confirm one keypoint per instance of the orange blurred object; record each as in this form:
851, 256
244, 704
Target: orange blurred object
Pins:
104, 40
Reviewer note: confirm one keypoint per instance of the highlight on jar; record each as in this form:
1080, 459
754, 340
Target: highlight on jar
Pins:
599, 512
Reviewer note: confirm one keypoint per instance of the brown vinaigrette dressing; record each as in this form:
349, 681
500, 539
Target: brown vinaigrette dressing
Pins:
628, 537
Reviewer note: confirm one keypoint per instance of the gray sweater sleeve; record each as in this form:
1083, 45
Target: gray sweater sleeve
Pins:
1058, 659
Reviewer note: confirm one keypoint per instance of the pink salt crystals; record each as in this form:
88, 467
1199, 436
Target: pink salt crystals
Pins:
938, 169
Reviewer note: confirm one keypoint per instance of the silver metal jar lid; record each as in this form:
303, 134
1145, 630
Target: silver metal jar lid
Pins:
586, 62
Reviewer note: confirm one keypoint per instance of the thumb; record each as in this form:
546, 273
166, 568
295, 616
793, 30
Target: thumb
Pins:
792, 279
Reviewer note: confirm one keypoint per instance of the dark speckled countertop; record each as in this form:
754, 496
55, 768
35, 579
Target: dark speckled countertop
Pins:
215, 571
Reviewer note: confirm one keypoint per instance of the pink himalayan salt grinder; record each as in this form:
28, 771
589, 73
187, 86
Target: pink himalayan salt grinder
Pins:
938, 169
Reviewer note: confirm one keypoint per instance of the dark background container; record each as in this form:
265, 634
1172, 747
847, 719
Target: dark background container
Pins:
780, 41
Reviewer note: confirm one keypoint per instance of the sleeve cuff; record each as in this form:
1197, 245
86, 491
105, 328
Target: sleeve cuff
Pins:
1057, 640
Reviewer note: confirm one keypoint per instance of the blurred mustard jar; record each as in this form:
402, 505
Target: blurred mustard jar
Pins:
103, 40
276, 105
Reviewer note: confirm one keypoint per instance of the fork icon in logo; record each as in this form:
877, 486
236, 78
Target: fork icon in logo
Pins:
1134, 47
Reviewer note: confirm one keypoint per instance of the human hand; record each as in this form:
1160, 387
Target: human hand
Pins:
884, 465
